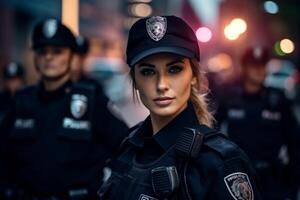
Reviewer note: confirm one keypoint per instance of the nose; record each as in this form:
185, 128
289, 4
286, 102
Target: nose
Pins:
162, 83
48, 55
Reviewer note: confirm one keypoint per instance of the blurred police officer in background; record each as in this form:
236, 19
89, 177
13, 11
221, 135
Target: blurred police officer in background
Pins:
13, 80
79, 58
59, 133
261, 122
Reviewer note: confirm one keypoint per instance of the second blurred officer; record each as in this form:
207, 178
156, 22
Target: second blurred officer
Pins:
78, 59
59, 133
13, 75
260, 121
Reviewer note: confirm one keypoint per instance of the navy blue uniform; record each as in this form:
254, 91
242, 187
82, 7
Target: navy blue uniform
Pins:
5, 103
261, 124
58, 141
184, 160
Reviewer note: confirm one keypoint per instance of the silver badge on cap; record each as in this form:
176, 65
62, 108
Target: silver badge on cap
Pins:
12, 69
50, 28
78, 105
156, 27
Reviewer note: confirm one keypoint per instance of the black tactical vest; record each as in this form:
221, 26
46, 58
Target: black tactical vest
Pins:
161, 179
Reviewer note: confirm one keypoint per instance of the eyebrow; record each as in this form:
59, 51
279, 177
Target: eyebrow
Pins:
175, 61
168, 64
146, 65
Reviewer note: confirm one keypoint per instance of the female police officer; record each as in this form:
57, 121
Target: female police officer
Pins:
58, 133
174, 154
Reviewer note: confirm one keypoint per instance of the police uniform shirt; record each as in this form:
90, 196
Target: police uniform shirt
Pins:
6, 100
52, 152
208, 177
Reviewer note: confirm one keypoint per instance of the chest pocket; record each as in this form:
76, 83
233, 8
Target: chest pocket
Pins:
24, 129
76, 125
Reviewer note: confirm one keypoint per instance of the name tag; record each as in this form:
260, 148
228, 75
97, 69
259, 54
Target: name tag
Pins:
69, 123
236, 113
24, 123
271, 115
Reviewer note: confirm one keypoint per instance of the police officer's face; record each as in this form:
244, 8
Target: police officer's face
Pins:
164, 82
52, 61
255, 73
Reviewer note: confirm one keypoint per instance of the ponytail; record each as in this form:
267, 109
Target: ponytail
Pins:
198, 96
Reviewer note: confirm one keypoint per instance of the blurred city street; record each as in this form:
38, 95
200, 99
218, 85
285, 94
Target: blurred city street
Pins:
224, 29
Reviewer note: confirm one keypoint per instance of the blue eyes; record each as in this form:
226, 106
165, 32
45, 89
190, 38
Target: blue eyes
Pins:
145, 71
175, 69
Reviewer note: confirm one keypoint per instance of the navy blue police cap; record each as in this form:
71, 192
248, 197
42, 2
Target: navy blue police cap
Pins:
52, 32
13, 70
255, 55
161, 34
83, 45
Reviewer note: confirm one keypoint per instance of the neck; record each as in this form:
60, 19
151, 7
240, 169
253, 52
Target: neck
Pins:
158, 122
51, 85
252, 88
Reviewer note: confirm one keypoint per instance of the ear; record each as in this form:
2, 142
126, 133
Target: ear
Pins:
194, 81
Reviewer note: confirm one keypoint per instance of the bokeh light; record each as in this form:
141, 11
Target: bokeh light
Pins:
239, 25
278, 50
287, 46
221, 61
271, 7
236, 27
140, 10
203, 34
230, 33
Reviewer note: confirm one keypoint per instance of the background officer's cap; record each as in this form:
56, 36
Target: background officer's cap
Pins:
13, 70
161, 34
255, 55
83, 45
52, 32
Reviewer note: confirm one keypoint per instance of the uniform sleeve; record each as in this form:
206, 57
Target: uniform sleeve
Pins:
291, 135
234, 180
109, 129
229, 176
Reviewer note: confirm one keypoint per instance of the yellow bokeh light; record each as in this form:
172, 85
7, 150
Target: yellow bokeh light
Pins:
287, 46
220, 62
141, 10
231, 33
239, 25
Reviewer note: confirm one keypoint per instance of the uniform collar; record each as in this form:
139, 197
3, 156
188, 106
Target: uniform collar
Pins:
168, 135
47, 96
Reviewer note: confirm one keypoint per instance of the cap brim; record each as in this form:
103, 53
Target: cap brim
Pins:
57, 43
175, 50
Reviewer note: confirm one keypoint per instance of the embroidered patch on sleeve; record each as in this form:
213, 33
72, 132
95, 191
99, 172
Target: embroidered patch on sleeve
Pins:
239, 186
146, 197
